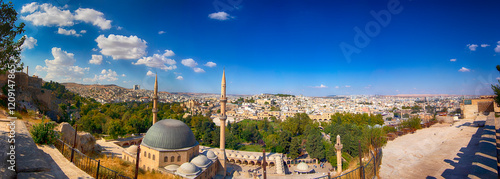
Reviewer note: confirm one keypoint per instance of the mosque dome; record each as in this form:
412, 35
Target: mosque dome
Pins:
211, 155
303, 166
132, 149
169, 134
188, 169
171, 167
201, 161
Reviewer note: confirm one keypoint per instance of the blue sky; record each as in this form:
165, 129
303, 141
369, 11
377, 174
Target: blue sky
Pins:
314, 48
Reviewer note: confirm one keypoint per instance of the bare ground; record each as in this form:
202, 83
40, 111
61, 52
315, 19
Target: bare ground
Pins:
441, 151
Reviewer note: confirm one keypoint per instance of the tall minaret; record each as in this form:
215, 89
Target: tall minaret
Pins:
223, 118
155, 100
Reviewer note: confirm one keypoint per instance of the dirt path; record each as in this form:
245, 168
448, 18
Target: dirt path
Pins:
441, 151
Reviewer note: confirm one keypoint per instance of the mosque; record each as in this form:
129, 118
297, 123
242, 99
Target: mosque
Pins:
170, 147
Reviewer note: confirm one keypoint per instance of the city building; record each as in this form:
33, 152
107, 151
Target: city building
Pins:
137, 87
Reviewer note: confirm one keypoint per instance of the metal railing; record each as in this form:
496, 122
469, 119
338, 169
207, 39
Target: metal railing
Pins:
88, 164
364, 171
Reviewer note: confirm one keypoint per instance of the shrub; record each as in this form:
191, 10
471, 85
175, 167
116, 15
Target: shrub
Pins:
43, 133
413, 123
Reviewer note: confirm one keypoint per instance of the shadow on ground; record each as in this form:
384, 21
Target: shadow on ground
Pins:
465, 157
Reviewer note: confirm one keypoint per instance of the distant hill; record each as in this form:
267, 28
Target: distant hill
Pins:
76, 85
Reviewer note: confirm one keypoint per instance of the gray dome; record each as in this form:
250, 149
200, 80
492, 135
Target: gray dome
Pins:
201, 161
188, 169
303, 166
169, 134
132, 149
172, 167
211, 154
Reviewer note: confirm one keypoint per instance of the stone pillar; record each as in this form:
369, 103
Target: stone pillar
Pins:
339, 146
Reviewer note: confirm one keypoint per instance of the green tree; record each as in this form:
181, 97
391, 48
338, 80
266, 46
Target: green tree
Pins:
314, 144
10, 50
297, 124
295, 147
496, 89
115, 129
284, 141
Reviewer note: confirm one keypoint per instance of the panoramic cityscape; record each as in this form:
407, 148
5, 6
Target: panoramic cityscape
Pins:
249, 89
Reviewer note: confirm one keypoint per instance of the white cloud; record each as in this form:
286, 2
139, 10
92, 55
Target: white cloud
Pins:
336, 87
472, 47
222, 16
189, 62
83, 31
161, 32
169, 53
347, 86
61, 67
320, 86
453, 60
210, 64
157, 61
119, 28
68, 32
29, 8
108, 75
463, 69
29, 43
122, 47
123, 75
198, 70
484, 45
150, 73
497, 49
94, 49
180, 78
498, 78
96, 59
92, 16
47, 15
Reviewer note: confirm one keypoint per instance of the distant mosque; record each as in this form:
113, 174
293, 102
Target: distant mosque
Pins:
170, 147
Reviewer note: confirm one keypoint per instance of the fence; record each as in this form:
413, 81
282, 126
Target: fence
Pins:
89, 165
366, 171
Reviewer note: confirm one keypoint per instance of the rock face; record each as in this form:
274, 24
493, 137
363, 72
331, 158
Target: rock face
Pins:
85, 142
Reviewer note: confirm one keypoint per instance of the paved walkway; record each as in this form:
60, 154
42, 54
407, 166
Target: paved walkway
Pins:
56, 159
34, 161
441, 151
110, 148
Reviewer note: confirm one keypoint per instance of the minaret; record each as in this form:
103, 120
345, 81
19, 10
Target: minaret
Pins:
155, 100
223, 118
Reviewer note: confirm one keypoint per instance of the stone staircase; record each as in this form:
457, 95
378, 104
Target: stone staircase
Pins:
280, 168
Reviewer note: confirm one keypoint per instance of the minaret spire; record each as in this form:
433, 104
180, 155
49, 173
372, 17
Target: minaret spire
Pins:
223, 118
155, 100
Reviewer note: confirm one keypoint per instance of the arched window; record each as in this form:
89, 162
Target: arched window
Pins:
153, 157
149, 156
172, 159
178, 158
144, 153
165, 159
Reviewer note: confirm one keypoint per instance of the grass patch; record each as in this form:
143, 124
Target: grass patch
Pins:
252, 148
